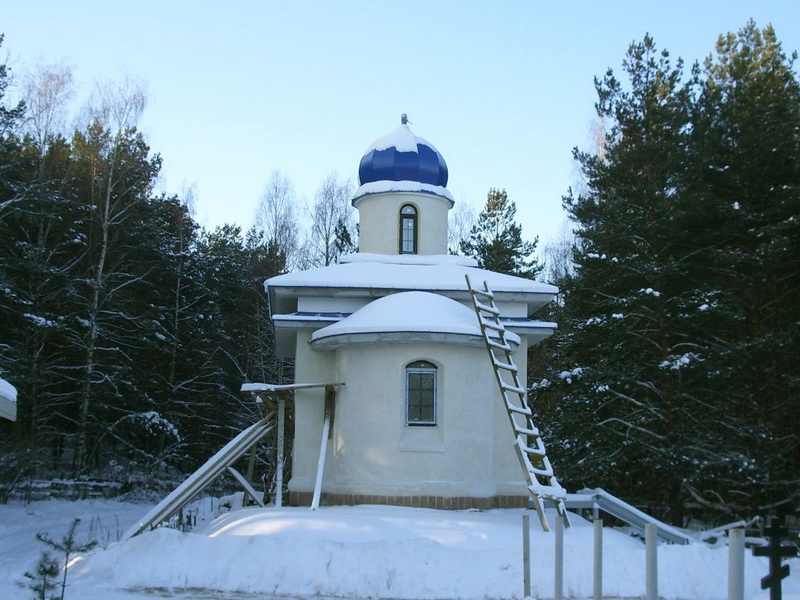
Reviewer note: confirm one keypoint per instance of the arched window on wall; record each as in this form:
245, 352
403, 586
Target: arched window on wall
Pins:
408, 229
421, 391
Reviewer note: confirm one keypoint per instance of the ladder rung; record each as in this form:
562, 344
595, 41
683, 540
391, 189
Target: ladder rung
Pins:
548, 492
525, 430
495, 326
486, 308
538, 451
522, 410
507, 387
545, 471
501, 345
484, 293
502, 365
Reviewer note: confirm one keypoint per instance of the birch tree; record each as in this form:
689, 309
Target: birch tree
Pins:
332, 222
118, 173
276, 219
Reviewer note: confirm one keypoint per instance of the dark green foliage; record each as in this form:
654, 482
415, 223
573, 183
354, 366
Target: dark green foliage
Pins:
675, 381
496, 240
67, 547
126, 329
43, 580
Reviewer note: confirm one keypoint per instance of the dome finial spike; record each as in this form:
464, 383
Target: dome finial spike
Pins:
404, 119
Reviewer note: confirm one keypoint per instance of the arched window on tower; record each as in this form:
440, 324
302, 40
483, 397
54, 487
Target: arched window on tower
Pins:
408, 229
421, 386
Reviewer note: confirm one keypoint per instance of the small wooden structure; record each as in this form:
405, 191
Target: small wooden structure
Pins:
274, 397
278, 395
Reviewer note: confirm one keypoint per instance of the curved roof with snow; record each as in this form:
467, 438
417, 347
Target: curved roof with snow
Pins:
402, 162
406, 317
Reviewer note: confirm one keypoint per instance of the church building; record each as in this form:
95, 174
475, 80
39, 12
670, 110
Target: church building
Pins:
419, 419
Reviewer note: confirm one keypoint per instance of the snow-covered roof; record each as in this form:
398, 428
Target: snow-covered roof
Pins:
8, 400
402, 139
374, 275
402, 157
399, 316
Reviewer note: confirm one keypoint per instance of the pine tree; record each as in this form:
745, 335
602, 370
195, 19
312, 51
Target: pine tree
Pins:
672, 382
746, 131
43, 580
496, 242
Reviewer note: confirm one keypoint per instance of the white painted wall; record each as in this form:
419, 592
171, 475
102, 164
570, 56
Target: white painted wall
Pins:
324, 304
310, 367
379, 222
469, 453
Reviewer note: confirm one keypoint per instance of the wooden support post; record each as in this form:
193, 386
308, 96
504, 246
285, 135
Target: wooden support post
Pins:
281, 398
248, 489
330, 409
736, 564
558, 591
598, 560
651, 561
526, 556
330, 406
251, 464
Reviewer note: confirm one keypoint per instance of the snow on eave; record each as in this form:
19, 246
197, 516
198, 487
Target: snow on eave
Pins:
367, 273
409, 259
387, 186
414, 312
305, 320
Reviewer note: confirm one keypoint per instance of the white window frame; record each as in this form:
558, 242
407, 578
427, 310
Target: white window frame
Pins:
423, 367
411, 216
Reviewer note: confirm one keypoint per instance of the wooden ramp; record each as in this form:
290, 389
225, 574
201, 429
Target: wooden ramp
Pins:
542, 483
223, 460
600, 500
195, 483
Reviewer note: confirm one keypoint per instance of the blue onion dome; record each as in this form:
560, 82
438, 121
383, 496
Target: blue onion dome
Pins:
404, 157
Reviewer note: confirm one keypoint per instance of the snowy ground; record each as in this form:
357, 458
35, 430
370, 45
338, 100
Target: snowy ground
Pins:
349, 552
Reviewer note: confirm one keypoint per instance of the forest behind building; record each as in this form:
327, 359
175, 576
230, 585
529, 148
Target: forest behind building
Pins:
673, 379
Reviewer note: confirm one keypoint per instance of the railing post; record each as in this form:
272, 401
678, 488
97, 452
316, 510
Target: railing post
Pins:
598, 560
281, 400
526, 555
651, 561
558, 592
736, 564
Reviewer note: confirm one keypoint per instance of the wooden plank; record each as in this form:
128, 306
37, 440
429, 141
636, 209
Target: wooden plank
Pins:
327, 429
246, 485
323, 450
275, 387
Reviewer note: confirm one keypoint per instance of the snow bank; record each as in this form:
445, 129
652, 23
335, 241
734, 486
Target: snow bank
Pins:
362, 552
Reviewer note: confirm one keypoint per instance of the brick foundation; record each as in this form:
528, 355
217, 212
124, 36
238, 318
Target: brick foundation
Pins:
441, 502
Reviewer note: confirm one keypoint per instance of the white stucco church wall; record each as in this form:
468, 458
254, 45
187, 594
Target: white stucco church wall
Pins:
419, 420
381, 235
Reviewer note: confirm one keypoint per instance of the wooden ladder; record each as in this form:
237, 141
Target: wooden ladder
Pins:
542, 483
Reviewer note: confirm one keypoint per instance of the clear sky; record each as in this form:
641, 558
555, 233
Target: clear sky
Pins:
238, 89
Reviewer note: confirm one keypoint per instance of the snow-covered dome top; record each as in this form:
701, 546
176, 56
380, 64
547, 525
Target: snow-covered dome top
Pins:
402, 156
433, 317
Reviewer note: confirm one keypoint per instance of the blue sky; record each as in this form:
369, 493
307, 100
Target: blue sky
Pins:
238, 89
